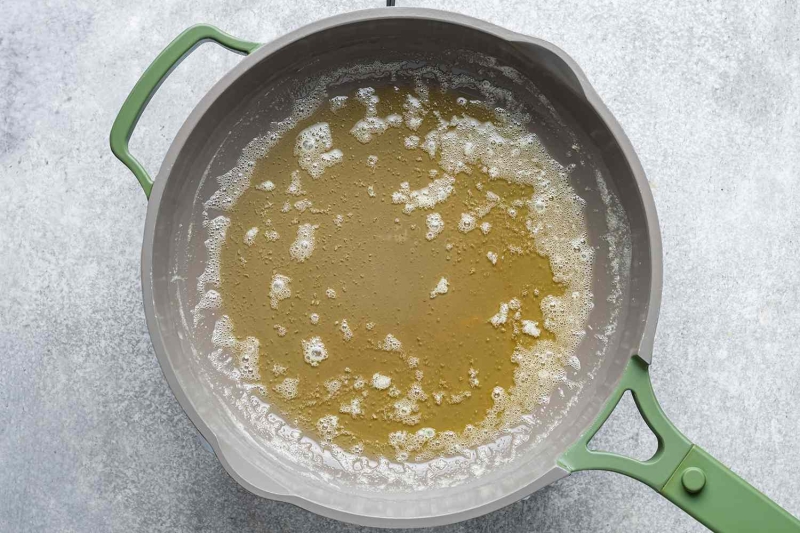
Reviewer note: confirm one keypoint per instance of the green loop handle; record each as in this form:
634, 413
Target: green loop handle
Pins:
679, 470
149, 83
672, 445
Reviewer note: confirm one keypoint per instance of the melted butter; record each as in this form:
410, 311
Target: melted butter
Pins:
386, 329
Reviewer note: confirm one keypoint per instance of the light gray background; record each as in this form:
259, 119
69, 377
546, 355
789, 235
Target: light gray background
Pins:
91, 439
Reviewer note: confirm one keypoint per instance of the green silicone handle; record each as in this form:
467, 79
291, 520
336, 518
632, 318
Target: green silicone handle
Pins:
152, 78
679, 470
721, 500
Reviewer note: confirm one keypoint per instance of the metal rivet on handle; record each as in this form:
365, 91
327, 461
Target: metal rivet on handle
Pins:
693, 480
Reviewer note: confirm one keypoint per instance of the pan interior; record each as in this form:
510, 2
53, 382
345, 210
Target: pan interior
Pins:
252, 107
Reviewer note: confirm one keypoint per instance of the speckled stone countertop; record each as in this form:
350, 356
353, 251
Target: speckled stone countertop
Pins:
91, 438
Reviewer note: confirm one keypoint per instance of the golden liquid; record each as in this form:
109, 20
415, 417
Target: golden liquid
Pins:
382, 269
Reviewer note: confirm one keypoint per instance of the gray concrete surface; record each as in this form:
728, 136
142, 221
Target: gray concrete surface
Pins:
91, 439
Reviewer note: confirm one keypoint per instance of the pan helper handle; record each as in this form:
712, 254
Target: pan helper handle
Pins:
152, 78
681, 471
